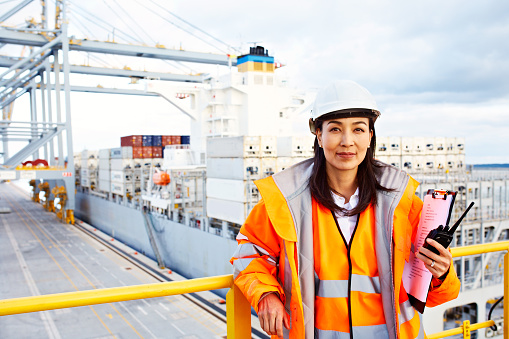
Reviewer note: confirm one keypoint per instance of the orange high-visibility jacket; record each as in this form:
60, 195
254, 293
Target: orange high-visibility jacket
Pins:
275, 251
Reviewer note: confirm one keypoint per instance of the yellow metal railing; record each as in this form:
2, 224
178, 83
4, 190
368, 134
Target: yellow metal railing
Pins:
466, 327
238, 310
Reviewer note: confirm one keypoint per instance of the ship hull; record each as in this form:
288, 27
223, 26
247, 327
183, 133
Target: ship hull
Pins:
188, 251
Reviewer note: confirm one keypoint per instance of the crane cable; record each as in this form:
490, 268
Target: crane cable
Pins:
125, 23
179, 27
195, 27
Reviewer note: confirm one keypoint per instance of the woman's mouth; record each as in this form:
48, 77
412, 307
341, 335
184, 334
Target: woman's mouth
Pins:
346, 155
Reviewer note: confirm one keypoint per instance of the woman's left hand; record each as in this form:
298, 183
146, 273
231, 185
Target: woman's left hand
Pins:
437, 264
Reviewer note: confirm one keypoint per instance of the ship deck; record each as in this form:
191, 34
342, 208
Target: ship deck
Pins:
40, 255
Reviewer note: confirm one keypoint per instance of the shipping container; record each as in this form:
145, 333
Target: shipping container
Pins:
268, 146
234, 168
147, 152
121, 164
175, 139
104, 185
157, 152
185, 140
137, 152
116, 153
295, 146
104, 175
118, 176
232, 190
157, 141
104, 153
233, 147
165, 140
231, 211
147, 140
88, 154
132, 140
104, 164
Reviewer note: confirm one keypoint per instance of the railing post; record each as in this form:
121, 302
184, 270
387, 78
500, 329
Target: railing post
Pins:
238, 314
506, 295
466, 329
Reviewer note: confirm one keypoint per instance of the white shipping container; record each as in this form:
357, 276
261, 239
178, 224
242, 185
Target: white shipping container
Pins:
87, 173
407, 145
85, 182
104, 175
104, 164
104, 185
88, 154
174, 157
283, 163
232, 211
127, 152
121, 164
268, 146
394, 147
104, 153
295, 146
232, 190
117, 188
234, 168
382, 144
231, 147
88, 163
268, 167
118, 176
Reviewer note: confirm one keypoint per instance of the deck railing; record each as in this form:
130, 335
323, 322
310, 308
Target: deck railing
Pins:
238, 310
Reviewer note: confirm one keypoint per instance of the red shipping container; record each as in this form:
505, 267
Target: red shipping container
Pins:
131, 140
157, 152
147, 152
137, 152
166, 140
175, 139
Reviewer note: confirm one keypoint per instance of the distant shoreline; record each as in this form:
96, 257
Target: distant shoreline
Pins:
484, 166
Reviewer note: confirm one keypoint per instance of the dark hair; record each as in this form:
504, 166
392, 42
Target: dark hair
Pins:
367, 174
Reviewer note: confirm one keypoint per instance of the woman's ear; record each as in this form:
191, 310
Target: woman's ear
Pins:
319, 136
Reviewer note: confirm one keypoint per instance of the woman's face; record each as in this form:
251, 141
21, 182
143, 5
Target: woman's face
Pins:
345, 142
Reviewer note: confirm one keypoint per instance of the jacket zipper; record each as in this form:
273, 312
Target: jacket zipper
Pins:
348, 246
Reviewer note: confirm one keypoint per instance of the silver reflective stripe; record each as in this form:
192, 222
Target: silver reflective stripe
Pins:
325, 334
241, 236
375, 331
363, 283
339, 288
407, 312
240, 265
332, 288
250, 249
288, 284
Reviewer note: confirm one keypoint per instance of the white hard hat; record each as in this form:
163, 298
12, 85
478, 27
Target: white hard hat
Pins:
343, 97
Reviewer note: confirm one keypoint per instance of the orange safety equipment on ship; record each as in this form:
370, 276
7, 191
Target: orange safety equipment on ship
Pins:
276, 253
161, 178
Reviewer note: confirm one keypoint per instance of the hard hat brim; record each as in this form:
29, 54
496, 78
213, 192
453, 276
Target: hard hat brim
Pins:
346, 113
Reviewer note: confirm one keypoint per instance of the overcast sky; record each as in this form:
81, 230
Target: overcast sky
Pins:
436, 68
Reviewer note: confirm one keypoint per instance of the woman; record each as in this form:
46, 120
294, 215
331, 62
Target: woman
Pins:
322, 254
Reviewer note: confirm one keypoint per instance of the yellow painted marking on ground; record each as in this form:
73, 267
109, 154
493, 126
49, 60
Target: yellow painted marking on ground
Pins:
9, 201
110, 315
77, 269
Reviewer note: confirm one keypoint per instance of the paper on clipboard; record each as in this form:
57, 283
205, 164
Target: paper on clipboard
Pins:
436, 210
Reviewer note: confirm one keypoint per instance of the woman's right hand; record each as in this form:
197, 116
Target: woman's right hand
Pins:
272, 315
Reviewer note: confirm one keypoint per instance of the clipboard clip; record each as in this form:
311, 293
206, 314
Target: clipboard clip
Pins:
442, 194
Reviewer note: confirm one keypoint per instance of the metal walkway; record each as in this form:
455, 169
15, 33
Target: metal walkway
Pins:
40, 255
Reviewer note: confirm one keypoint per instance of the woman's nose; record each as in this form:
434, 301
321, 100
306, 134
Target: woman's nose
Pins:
346, 139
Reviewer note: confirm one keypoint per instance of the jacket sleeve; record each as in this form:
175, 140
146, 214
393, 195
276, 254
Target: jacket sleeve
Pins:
450, 287
256, 259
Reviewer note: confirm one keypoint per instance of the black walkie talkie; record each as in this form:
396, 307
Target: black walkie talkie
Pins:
443, 235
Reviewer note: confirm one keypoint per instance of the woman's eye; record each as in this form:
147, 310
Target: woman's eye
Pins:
359, 130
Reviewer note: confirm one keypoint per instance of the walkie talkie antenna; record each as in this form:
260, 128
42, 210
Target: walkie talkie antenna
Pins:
457, 223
